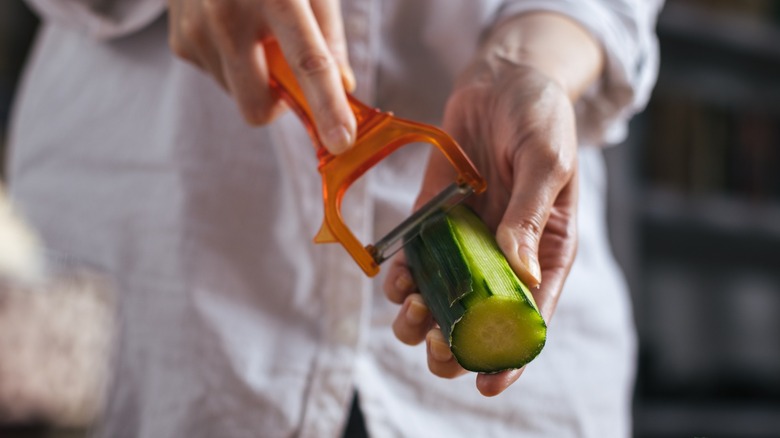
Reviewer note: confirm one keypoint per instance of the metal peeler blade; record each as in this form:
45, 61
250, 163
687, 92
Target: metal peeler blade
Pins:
407, 230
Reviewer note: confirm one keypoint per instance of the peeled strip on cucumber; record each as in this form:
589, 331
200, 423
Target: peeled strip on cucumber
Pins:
489, 317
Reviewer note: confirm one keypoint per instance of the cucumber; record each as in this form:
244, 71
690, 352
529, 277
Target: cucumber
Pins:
488, 315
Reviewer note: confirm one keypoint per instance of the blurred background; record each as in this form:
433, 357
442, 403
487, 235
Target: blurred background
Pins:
695, 219
695, 222
17, 29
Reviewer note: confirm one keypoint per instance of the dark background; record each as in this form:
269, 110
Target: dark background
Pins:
695, 219
695, 222
17, 28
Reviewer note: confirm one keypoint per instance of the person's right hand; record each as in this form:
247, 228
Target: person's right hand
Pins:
223, 37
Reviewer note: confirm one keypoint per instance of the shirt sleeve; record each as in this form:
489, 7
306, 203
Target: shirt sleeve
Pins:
626, 31
101, 19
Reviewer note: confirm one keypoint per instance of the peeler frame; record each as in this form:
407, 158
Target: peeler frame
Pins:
379, 134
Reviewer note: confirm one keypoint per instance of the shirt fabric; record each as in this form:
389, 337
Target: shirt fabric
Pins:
233, 323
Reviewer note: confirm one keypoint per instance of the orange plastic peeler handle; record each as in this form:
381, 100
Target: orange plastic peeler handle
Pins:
379, 134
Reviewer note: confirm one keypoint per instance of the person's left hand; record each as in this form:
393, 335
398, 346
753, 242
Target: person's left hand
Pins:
518, 126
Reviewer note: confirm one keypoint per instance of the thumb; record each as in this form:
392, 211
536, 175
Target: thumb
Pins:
518, 234
519, 241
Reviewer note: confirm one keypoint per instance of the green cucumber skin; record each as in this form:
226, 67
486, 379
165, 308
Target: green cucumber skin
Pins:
446, 281
433, 288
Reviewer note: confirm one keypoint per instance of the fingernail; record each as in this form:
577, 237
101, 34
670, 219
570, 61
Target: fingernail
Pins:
440, 351
416, 312
403, 283
338, 139
532, 266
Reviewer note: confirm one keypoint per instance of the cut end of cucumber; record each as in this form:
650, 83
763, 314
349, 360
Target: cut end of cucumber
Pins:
498, 334
487, 313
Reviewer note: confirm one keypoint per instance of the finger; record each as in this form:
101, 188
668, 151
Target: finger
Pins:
186, 33
491, 385
398, 283
413, 320
441, 361
294, 25
175, 41
557, 249
534, 191
328, 15
243, 61
209, 59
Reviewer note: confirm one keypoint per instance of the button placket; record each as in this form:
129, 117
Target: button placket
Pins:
343, 285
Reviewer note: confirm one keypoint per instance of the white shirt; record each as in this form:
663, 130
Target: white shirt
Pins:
234, 324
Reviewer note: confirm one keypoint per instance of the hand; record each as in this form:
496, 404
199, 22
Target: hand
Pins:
512, 112
223, 37
519, 129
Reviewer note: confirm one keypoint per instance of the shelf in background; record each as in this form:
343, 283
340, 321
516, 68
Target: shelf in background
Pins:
735, 87
727, 214
737, 32
702, 223
727, 60
674, 419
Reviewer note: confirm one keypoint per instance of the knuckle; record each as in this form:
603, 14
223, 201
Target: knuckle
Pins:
313, 62
178, 49
569, 233
551, 162
222, 12
401, 332
223, 17
191, 30
394, 295
531, 225
564, 169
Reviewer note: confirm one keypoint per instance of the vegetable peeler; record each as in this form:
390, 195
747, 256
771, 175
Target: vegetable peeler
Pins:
378, 135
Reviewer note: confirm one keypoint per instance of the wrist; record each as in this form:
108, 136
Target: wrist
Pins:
548, 43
